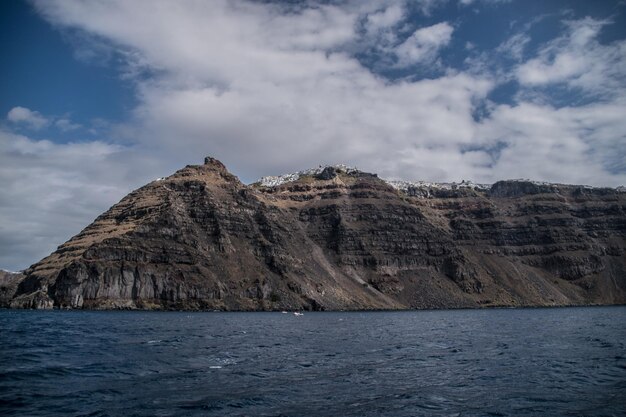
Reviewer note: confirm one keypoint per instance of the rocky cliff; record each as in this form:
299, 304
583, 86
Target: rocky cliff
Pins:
338, 238
8, 285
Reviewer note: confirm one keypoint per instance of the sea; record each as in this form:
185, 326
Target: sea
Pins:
498, 362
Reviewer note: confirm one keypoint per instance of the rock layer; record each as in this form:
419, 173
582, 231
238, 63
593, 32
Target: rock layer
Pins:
8, 285
337, 238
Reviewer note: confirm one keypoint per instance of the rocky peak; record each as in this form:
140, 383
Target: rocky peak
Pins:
209, 161
214, 165
328, 173
211, 172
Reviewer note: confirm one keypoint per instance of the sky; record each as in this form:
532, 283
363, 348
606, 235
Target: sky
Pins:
100, 97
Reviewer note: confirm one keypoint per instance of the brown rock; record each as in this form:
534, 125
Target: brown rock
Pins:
200, 239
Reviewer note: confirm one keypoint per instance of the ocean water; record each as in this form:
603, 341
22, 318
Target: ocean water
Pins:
552, 362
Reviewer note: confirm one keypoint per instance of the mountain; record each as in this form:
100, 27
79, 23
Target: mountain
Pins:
336, 238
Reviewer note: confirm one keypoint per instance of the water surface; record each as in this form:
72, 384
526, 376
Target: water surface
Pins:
568, 361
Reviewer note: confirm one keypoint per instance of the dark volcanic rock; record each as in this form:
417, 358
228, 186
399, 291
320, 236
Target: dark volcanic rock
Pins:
519, 188
339, 239
328, 173
8, 286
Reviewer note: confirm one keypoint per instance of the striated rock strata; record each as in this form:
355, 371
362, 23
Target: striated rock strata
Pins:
337, 238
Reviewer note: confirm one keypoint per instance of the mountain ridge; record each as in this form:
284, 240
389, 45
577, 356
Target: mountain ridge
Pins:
337, 238
275, 180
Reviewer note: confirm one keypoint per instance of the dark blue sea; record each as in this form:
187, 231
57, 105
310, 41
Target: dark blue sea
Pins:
528, 362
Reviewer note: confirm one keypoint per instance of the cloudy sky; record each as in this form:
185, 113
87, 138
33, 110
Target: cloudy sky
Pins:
100, 97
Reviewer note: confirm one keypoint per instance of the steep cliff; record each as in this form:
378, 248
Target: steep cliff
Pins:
8, 285
338, 238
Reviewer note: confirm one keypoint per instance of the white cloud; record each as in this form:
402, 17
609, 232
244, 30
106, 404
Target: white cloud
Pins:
386, 18
36, 121
470, 2
66, 125
424, 44
245, 76
514, 46
51, 191
580, 145
252, 83
426, 7
572, 143
269, 89
23, 115
578, 60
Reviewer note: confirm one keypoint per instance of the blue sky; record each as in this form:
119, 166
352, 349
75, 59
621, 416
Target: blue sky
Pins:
45, 72
99, 97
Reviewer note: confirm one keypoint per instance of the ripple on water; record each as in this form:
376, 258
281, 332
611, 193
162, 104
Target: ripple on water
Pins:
498, 362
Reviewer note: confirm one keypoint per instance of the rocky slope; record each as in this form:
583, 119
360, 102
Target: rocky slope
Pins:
8, 285
338, 238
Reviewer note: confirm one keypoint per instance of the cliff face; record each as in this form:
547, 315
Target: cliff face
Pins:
8, 285
338, 238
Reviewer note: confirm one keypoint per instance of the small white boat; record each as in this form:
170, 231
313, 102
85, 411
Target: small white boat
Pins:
297, 313
283, 312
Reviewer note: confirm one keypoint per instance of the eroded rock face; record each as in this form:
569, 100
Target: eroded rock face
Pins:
337, 239
8, 285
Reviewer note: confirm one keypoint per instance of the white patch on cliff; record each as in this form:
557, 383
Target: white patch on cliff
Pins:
405, 185
276, 180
